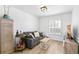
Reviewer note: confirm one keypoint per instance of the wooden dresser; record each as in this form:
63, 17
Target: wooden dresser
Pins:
6, 36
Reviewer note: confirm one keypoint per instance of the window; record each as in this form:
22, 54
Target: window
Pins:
55, 26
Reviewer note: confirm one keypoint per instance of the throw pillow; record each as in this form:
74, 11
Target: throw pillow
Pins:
36, 34
31, 35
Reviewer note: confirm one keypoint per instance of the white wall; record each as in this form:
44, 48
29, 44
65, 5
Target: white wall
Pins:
22, 21
1, 11
75, 22
66, 19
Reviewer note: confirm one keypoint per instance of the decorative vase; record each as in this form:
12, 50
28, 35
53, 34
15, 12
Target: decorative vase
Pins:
6, 16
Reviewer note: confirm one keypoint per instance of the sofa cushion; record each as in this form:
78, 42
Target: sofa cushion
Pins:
32, 35
36, 34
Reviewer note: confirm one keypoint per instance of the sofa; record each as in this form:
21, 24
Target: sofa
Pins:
31, 40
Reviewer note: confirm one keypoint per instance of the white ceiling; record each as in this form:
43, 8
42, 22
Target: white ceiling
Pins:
52, 9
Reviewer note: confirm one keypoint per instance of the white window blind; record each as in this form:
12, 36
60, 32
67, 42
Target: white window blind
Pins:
55, 26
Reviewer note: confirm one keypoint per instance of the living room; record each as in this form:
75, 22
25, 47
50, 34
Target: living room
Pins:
48, 21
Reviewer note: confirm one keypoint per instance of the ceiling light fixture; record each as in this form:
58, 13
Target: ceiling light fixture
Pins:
43, 8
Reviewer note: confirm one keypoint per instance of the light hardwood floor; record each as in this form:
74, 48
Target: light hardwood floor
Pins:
55, 47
